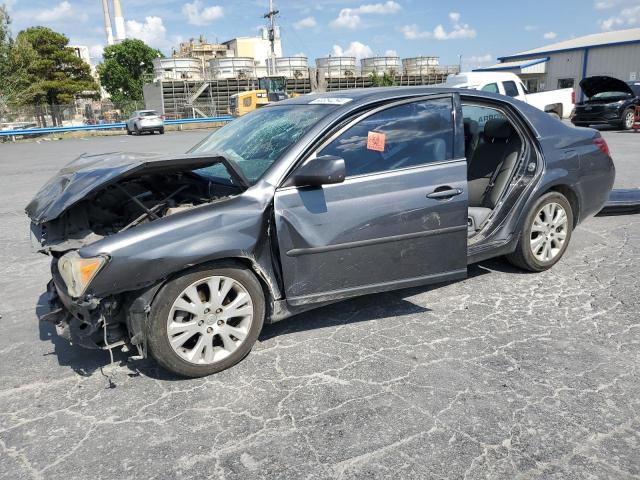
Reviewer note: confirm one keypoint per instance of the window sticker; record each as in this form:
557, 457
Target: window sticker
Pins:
330, 101
375, 141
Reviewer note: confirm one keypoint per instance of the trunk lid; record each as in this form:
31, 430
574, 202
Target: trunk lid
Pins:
89, 173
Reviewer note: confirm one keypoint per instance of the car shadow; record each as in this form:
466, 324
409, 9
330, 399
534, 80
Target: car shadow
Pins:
86, 362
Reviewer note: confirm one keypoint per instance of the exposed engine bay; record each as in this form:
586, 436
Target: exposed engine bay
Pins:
126, 204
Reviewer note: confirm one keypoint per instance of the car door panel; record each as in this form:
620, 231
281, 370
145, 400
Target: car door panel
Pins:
373, 232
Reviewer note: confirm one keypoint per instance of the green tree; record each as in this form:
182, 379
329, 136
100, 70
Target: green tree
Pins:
54, 74
123, 70
387, 79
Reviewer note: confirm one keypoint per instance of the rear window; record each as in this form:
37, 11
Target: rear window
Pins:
149, 113
510, 89
491, 87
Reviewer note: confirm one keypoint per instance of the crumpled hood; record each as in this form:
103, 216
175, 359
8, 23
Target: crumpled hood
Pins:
88, 173
593, 85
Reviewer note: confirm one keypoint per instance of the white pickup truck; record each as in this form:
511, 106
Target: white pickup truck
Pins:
557, 102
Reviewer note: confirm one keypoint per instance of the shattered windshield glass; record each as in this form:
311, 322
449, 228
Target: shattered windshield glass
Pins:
259, 138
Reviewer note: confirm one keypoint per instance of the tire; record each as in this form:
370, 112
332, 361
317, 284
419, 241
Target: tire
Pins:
208, 337
136, 129
129, 132
161, 131
628, 119
535, 235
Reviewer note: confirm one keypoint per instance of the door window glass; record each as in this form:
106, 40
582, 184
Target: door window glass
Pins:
481, 114
404, 136
491, 87
510, 89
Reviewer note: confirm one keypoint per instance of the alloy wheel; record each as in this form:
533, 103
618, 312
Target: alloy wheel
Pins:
209, 320
548, 232
629, 120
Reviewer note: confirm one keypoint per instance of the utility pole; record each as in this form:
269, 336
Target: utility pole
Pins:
271, 15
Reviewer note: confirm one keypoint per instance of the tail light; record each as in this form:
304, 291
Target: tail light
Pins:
162, 117
573, 97
602, 145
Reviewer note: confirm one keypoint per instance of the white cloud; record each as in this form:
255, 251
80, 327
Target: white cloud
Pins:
62, 11
531, 28
307, 22
152, 31
626, 18
299, 54
346, 19
355, 49
476, 61
550, 35
390, 53
459, 31
351, 17
199, 14
487, 58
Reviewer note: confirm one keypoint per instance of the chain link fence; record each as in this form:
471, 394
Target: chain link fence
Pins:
82, 112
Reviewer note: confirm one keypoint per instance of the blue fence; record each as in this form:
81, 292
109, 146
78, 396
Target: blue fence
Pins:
107, 126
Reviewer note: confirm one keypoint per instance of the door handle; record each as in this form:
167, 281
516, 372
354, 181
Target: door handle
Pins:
443, 193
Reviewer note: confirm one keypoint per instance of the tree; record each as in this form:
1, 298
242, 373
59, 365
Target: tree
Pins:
123, 70
384, 80
54, 73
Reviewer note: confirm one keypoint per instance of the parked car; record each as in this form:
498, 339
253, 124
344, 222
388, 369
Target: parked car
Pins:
303, 203
610, 102
559, 102
145, 121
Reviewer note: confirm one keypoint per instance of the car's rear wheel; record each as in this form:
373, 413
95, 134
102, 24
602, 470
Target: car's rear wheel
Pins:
161, 131
136, 129
206, 320
545, 235
129, 132
628, 119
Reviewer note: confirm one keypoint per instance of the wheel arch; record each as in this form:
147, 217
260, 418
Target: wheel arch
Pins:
570, 194
242, 262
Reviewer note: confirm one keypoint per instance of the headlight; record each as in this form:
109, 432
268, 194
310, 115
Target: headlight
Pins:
77, 272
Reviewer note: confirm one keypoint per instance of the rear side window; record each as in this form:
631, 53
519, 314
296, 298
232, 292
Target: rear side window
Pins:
481, 114
408, 135
510, 89
491, 87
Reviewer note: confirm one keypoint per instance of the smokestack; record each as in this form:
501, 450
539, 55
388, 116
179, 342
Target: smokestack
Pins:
107, 22
119, 21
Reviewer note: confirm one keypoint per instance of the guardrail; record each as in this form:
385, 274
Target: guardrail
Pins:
107, 126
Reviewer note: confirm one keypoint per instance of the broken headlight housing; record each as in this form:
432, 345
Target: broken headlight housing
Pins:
77, 272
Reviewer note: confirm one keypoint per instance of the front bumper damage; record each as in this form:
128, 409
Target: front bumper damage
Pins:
119, 321
89, 323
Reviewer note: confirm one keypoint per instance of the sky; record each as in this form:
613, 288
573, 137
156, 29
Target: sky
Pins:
478, 31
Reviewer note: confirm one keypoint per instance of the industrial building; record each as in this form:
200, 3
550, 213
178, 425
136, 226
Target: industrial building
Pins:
202, 80
183, 89
565, 64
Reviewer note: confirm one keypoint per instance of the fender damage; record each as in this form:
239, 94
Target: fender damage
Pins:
128, 208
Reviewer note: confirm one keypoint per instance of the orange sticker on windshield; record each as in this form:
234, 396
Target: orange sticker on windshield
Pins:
375, 141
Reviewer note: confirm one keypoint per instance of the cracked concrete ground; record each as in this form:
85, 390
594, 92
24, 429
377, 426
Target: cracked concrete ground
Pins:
505, 375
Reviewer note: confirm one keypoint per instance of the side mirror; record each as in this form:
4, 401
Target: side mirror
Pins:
319, 171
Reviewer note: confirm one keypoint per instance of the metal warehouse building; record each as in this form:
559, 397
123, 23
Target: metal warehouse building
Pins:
565, 64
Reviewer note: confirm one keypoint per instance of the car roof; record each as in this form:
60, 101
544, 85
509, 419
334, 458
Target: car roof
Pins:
366, 95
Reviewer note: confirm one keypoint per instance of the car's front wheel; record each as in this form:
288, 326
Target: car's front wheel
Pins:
545, 235
206, 320
628, 119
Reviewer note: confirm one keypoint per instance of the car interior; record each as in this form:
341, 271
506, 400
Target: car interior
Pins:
492, 148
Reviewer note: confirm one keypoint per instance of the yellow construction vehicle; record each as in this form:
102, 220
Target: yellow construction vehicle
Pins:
270, 89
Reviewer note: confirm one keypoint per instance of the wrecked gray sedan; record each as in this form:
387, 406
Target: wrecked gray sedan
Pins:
303, 203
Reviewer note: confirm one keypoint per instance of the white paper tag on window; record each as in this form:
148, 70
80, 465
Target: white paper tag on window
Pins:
330, 101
